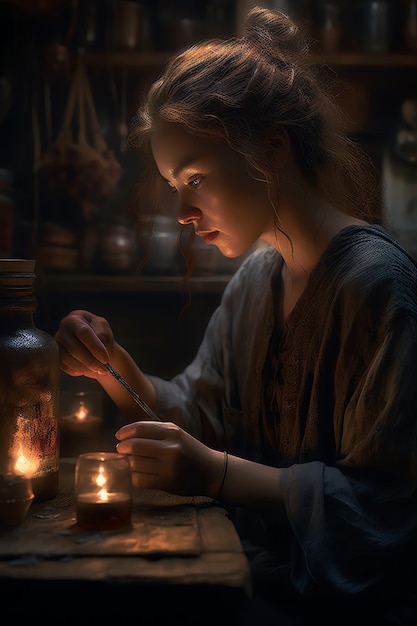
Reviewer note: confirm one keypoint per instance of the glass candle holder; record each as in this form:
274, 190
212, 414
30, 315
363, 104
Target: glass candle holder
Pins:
81, 422
103, 490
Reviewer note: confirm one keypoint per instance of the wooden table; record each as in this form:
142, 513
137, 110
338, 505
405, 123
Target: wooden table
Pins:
181, 562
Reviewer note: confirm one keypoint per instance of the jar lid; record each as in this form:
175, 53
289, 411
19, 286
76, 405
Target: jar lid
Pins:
17, 272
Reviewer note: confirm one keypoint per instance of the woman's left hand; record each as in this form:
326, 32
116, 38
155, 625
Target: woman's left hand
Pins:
164, 456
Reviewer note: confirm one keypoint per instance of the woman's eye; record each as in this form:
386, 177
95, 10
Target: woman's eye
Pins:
195, 182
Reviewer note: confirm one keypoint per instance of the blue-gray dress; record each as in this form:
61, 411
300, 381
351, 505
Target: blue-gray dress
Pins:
330, 395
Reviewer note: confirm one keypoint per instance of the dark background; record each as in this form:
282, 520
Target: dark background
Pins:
40, 42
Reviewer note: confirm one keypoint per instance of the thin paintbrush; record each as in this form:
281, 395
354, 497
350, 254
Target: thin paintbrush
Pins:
132, 392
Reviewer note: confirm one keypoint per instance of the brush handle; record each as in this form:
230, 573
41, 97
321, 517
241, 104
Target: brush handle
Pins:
132, 392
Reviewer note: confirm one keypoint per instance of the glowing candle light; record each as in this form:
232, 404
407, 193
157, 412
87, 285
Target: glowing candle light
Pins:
25, 454
82, 412
103, 491
26, 466
81, 425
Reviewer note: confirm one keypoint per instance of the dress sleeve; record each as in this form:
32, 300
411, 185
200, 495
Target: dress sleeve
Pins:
193, 398
351, 535
216, 396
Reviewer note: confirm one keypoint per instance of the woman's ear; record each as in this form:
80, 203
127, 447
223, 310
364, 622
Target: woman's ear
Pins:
280, 146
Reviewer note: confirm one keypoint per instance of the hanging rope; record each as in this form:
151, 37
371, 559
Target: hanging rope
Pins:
79, 160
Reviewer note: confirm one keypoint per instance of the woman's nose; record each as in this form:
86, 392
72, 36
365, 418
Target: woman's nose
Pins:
188, 214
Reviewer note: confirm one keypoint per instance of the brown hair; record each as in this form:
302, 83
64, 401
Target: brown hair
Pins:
240, 89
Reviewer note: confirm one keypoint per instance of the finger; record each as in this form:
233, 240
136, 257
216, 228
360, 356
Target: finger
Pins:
144, 459
75, 374
144, 463
91, 330
146, 481
140, 447
79, 341
79, 361
146, 429
88, 336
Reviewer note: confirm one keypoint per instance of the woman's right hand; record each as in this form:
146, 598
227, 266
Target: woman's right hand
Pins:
85, 343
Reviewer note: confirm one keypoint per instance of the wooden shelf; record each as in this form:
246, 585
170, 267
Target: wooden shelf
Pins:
143, 60
105, 283
371, 60
128, 60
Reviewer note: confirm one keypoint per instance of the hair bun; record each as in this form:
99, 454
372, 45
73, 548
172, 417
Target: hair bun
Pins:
273, 32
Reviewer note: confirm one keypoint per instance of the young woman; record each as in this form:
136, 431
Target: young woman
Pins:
306, 373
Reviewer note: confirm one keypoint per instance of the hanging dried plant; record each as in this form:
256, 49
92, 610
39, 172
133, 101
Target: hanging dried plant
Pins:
80, 162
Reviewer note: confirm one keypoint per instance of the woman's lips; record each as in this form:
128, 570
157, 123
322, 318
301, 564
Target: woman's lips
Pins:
208, 236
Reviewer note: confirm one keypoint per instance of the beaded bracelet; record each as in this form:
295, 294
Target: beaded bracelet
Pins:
226, 460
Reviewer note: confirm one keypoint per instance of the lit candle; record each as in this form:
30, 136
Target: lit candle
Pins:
27, 462
29, 459
103, 491
80, 431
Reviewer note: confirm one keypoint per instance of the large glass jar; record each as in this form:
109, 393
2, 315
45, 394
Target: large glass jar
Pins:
29, 384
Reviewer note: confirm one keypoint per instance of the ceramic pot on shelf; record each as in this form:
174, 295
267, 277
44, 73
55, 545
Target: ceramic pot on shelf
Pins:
117, 248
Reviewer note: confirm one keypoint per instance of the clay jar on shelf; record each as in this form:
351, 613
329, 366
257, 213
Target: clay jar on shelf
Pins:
329, 27
374, 22
57, 250
410, 26
158, 244
117, 248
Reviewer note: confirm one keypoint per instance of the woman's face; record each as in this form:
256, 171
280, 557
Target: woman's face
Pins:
226, 206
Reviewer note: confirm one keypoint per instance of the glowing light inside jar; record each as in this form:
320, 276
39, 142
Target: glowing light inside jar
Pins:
25, 457
26, 465
80, 426
82, 413
100, 482
103, 491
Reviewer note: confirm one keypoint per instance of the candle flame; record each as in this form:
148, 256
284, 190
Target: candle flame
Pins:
101, 480
103, 495
26, 466
82, 412
23, 452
